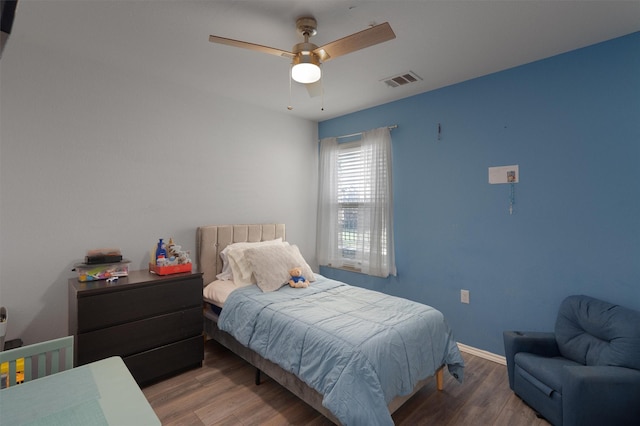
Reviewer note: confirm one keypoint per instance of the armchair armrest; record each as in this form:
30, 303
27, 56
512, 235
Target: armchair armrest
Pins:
598, 395
535, 342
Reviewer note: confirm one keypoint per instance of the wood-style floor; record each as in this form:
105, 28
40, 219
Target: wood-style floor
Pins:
223, 392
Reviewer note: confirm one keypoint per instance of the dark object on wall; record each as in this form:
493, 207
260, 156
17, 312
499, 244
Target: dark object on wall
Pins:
7, 13
587, 372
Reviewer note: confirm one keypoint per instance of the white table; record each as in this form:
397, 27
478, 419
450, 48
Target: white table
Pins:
100, 393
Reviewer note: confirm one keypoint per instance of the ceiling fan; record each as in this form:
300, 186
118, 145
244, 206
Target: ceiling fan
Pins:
306, 57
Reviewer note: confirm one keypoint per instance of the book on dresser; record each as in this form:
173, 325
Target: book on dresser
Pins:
153, 322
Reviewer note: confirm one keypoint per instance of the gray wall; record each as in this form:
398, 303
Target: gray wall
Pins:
93, 156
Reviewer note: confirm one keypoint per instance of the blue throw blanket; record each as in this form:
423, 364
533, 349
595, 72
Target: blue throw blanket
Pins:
356, 347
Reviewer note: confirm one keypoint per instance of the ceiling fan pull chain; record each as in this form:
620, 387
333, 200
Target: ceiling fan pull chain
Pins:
289, 107
322, 96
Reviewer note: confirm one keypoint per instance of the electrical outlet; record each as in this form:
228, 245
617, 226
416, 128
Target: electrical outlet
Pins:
464, 296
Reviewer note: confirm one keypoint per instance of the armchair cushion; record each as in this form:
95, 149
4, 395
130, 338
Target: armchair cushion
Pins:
548, 371
530, 342
594, 332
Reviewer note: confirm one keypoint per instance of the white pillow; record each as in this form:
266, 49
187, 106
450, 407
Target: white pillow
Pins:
240, 268
271, 265
227, 270
218, 291
225, 274
302, 263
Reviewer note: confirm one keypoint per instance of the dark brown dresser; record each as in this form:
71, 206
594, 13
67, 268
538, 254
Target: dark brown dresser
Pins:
153, 322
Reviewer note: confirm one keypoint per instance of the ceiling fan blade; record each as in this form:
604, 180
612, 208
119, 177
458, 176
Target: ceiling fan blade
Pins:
314, 89
365, 38
250, 46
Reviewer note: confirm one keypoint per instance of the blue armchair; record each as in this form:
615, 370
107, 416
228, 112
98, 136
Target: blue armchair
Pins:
587, 372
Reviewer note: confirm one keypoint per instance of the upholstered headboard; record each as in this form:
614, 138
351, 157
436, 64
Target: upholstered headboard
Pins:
212, 239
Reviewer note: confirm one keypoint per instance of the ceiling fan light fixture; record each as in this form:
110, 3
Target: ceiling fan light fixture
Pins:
306, 56
306, 68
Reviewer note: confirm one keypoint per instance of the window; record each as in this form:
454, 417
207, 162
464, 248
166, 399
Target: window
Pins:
353, 197
355, 204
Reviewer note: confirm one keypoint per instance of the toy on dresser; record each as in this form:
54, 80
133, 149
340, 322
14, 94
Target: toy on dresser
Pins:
102, 264
170, 259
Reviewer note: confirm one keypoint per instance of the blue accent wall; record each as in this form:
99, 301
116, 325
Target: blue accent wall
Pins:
572, 124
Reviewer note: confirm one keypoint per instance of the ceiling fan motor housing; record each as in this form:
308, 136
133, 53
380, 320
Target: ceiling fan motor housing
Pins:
307, 26
304, 48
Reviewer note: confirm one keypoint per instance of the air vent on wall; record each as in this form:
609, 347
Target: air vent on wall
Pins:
402, 79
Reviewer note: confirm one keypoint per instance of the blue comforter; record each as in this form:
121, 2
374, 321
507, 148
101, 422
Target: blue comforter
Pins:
358, 348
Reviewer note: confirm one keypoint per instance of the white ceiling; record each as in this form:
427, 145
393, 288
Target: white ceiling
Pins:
444, 42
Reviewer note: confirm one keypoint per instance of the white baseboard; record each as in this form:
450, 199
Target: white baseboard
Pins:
482, 354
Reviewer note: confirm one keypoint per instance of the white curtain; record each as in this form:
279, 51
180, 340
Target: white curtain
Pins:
374, 247
327, 234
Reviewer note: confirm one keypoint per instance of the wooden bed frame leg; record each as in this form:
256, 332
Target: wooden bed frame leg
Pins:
257, 376
440, 378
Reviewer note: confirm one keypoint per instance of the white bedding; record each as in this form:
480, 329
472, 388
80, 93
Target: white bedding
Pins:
218, 291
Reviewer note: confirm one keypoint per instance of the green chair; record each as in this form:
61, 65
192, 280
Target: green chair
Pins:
58, 351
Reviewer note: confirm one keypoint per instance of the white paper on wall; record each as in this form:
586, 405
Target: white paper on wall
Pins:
504, 174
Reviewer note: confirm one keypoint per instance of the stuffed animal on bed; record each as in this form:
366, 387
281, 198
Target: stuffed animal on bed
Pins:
297, 280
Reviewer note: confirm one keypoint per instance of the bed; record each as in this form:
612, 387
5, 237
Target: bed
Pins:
354, 355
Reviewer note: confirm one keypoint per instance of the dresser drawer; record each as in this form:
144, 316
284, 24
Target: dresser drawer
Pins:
155, 364
118, 307
138, 336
